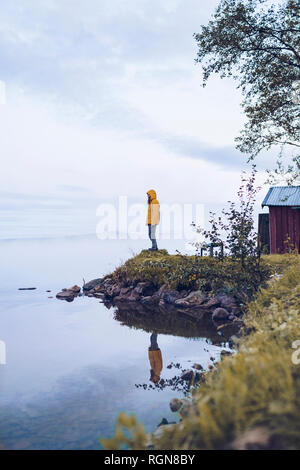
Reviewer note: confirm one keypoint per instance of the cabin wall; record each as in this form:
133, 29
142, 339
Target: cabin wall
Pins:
264, 232
284, 223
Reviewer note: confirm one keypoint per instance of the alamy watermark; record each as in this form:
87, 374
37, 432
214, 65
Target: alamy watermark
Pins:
2, 353
296, 354
128, 221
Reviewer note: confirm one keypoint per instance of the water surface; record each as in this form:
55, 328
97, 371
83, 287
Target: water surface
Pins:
72, 367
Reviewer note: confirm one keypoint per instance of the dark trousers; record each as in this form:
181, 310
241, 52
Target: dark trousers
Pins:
153, 342
151, 232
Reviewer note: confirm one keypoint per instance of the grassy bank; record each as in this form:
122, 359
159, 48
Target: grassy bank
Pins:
257, 389
199, 273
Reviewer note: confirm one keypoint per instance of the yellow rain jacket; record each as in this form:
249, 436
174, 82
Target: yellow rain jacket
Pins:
156, 364
153, 216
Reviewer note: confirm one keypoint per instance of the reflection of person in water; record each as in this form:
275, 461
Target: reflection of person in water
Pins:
155, 359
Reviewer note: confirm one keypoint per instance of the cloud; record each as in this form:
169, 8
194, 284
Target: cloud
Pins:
104, 99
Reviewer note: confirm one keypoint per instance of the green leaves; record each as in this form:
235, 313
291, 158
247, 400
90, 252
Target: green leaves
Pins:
258, 45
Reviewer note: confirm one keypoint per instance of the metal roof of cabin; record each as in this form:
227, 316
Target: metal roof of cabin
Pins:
282, 196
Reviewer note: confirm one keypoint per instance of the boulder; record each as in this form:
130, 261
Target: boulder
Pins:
194, 299
113, 290
227, 301
66, 294
144, 288
220, 314
99, 288
162, 290
158, 295
124, 291
171, 296
133, 297
140, 290
90, 285
124, 294
76, 289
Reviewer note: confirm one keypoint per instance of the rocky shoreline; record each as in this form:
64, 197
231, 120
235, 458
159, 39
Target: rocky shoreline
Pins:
220, 307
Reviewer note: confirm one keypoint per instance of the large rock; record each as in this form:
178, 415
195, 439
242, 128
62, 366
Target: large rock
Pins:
66, 294
69, 294
144, 288
133, 297
113, 290
162, 290
171, 296
140, 291
212, 303
157, 296
76, 289
228, 302
92, 284
124, 294
220, 314
194, 299
125, 290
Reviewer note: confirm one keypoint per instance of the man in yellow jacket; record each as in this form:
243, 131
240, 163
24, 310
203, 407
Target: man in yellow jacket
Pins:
153, 217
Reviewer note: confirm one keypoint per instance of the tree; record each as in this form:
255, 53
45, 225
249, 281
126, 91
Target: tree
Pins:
258, 44
235, 228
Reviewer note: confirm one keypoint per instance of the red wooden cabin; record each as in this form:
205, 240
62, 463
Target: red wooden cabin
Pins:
284, 218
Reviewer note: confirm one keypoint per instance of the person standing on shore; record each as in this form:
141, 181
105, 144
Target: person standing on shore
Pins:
153, 217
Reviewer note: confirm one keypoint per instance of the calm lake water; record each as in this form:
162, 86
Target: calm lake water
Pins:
72, 367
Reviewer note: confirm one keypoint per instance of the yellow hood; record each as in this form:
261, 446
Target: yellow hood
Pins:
152, 194
153, 215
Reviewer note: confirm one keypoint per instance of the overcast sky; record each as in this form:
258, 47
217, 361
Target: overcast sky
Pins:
103, 98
